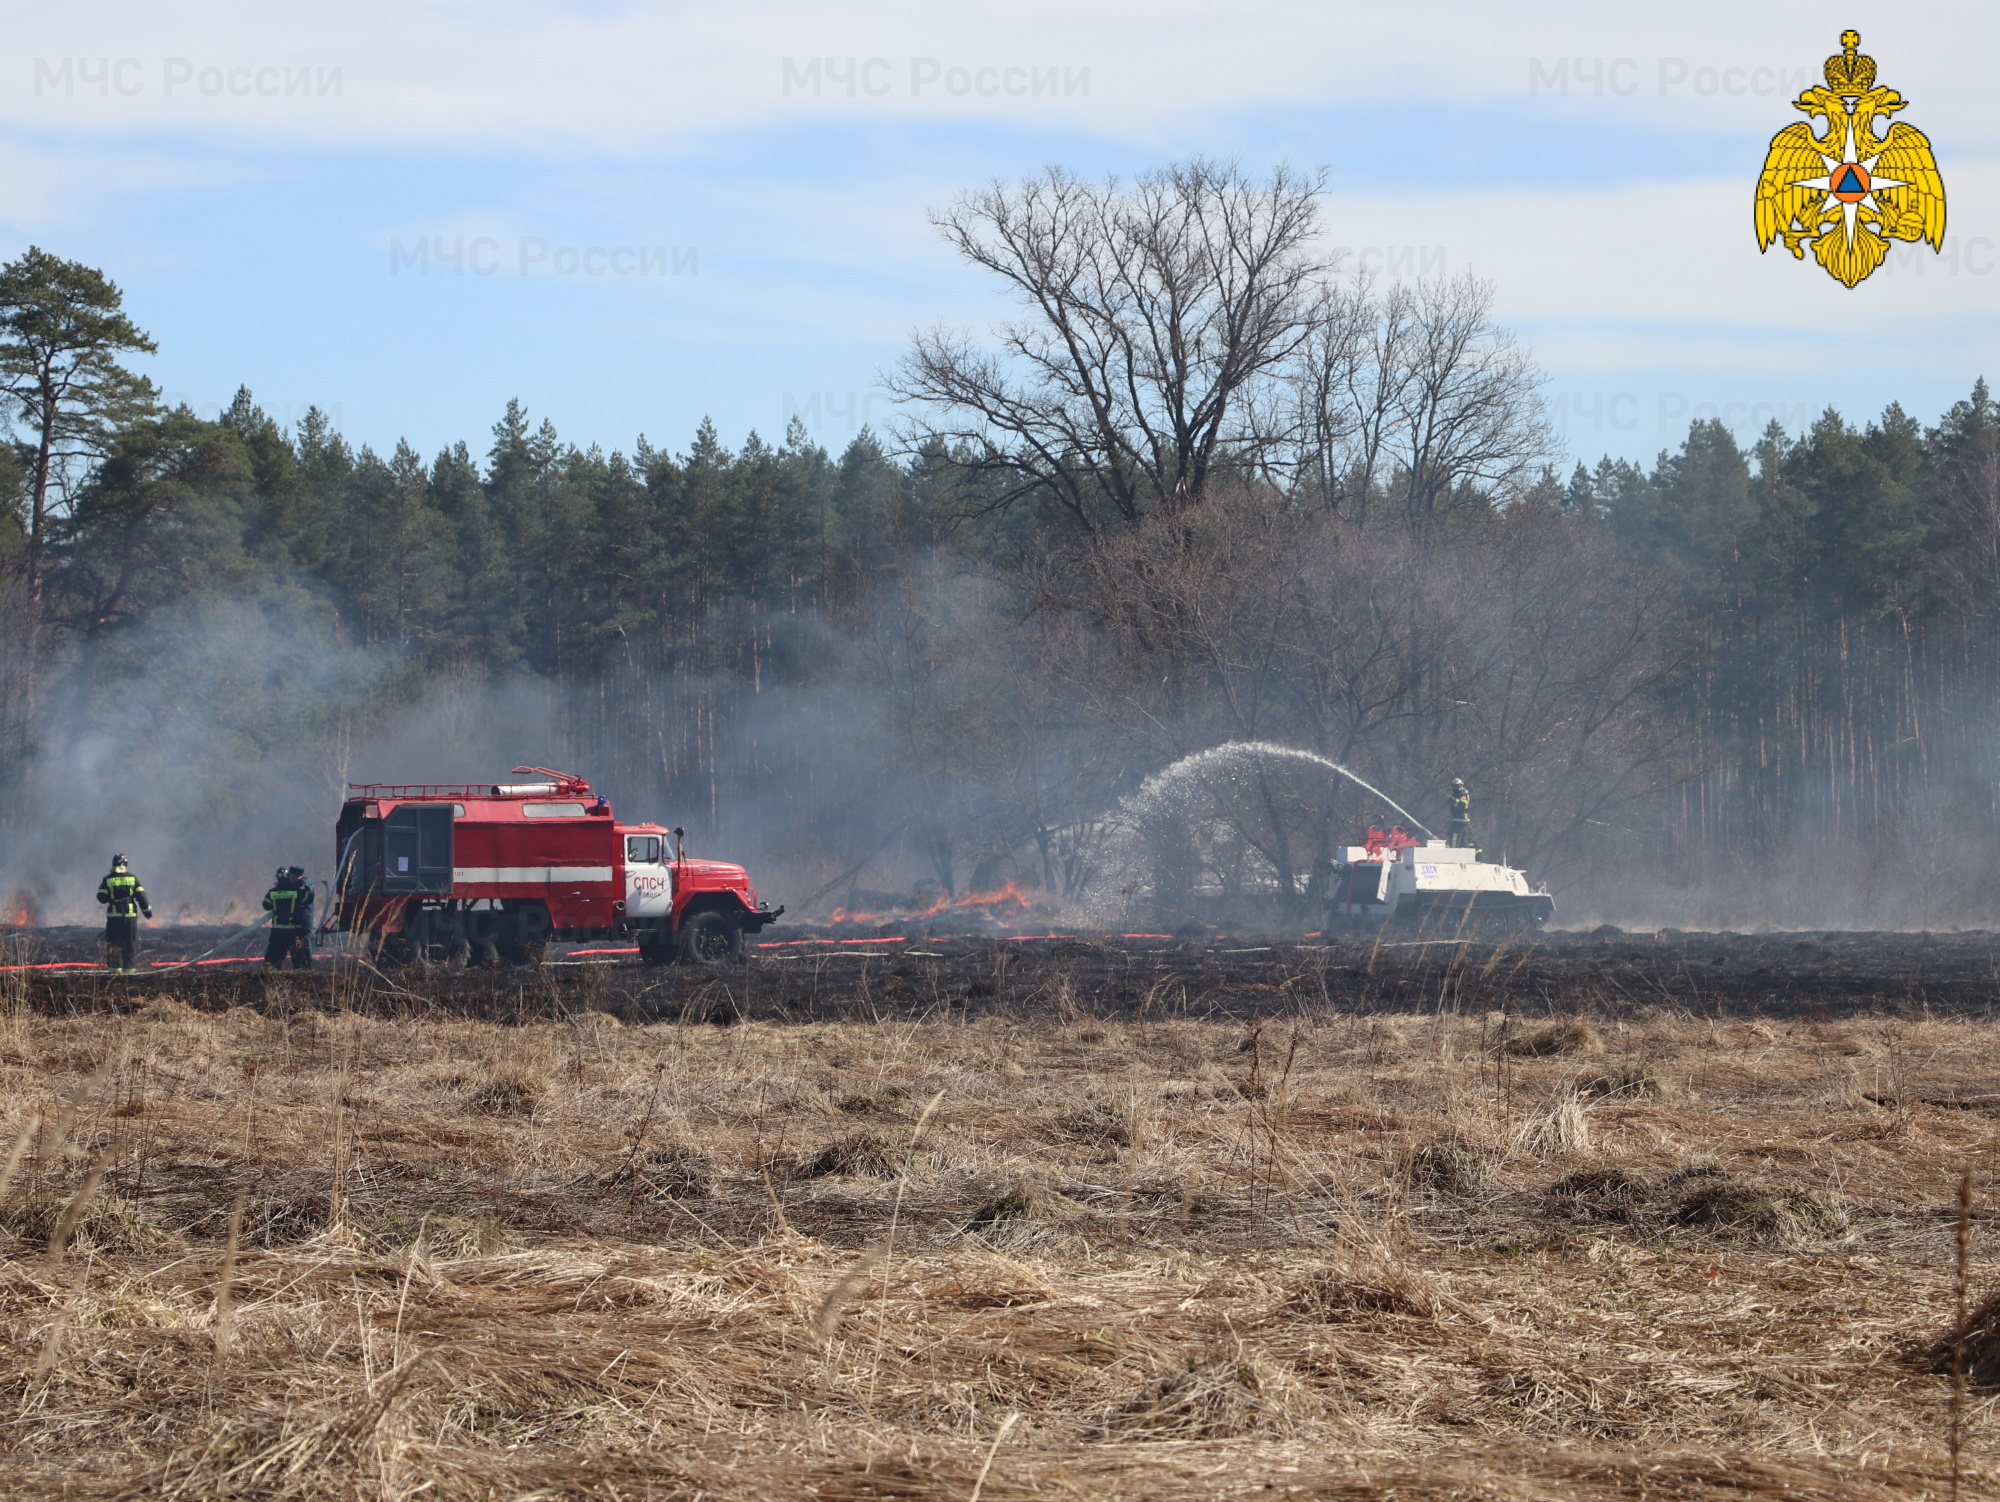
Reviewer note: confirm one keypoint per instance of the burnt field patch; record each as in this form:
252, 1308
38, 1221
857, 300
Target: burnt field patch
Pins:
911, 975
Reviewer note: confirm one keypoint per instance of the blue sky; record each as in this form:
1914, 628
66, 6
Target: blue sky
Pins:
258, 179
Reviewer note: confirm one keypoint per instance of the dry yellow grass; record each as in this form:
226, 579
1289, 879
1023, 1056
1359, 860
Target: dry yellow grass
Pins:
1333, 1257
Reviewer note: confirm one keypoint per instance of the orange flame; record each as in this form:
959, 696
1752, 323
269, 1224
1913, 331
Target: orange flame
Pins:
842, 915
1009, 893
21, 911
970, 902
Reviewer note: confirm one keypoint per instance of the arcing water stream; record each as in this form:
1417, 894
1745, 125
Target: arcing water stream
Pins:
1156, 837
1233, 758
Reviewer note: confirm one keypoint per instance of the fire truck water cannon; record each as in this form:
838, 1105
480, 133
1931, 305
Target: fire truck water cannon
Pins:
485, 873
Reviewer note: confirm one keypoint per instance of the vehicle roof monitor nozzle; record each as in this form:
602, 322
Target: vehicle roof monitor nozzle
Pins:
565, 782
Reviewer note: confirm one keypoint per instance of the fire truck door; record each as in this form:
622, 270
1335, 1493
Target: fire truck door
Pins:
417, 849
649, 884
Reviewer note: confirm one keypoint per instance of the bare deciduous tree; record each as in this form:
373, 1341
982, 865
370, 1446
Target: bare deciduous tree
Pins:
1469, 415
1159, 322
1415, 396
1186, 329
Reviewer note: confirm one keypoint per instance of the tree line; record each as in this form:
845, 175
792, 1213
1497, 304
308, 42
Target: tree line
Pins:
1206, 484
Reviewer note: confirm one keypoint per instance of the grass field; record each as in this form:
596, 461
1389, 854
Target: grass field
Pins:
313, 1237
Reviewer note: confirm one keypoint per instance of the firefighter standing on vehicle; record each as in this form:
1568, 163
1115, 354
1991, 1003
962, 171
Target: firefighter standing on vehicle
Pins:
124, 899
289, 902
1461, 817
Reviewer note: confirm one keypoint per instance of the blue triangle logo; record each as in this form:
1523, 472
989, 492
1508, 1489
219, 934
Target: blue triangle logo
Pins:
1849, 183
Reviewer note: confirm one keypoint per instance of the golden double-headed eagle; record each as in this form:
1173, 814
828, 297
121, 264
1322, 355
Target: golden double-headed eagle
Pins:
1849, 192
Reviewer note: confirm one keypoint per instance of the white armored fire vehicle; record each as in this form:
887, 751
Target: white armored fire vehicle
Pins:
1448, 891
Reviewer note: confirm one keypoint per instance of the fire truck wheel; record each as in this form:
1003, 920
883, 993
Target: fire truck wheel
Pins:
513, 952
523, 934
435, 940
711, 938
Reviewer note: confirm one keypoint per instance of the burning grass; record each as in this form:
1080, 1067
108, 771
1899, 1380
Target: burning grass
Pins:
1005, 905
342, 1245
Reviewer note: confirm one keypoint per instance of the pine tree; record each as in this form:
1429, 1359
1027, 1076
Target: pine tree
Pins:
62, 328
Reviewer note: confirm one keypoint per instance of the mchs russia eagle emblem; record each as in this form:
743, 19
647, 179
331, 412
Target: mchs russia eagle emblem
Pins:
1849, 192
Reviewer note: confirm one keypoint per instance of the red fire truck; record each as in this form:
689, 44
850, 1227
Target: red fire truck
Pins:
448, 873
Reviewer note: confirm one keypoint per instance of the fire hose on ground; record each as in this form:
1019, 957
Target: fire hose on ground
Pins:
160, 967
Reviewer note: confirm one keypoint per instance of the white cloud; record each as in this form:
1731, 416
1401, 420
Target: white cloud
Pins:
1681, 256
643, 78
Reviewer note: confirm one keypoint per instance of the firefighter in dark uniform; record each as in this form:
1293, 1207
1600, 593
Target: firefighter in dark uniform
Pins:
124, 899
1461, 817
289, 902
